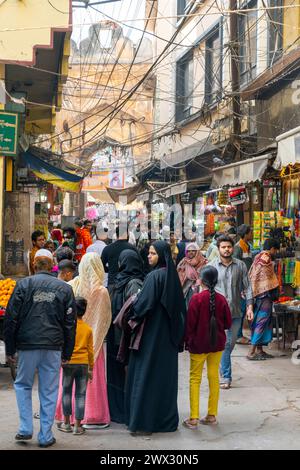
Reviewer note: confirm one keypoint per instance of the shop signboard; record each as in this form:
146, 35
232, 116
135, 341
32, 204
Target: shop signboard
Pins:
100, 180
41, 217
237, 195
9, 123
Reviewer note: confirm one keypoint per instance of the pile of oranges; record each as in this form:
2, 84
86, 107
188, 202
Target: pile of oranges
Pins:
6, 289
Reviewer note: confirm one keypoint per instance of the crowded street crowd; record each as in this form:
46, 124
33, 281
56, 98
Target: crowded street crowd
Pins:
101, 322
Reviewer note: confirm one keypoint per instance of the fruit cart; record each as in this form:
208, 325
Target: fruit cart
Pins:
6, 289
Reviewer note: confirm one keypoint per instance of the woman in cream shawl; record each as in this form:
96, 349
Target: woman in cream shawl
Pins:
89, 285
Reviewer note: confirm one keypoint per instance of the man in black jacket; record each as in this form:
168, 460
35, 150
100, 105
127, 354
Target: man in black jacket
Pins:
40, 323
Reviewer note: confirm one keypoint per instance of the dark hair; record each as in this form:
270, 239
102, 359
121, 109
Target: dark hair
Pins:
243, 230
231, 219
64, 253
87, 221
78, 223
69, 229
224, 238
67, 265
209, 277
218, 235
271, 243
35, 235
81, 305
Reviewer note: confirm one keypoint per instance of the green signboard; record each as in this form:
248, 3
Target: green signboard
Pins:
9, 123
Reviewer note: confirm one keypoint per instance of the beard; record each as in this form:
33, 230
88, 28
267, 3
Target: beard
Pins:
227, 255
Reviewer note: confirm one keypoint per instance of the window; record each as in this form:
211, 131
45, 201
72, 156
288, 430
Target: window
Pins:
275, 27
248, 43
213, 67
184, 86
181, 5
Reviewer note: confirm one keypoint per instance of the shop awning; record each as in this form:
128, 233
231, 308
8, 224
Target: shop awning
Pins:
241, 172
128, 193
288, 152
63, 179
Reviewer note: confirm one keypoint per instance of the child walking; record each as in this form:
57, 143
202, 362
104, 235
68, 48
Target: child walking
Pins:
79, 369
207, 319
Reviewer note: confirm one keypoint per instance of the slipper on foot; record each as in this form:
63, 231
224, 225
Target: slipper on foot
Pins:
64, 427
208, 421
78, 431
256, 357
187, 424
225, 386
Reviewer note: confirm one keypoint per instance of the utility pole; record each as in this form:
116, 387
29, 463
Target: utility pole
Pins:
235, 78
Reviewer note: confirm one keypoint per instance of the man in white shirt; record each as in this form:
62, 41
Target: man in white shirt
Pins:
98, 246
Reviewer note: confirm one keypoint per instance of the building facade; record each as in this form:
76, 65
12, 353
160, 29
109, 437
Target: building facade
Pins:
34, 51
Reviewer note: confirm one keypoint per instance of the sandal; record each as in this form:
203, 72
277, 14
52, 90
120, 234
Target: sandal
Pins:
78, 431
256, 357
187, 423
208, 420
266, 355
225, 386
64, 427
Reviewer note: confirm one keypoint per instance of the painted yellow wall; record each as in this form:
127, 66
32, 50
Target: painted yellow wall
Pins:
28, 23
291, 27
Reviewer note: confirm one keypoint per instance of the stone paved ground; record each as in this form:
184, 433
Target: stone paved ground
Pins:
261, 411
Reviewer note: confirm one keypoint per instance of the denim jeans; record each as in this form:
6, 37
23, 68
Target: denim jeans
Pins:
231, 337
47, 363
79, 374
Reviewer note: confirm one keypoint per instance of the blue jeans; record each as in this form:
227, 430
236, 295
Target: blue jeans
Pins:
231, 337
47, 363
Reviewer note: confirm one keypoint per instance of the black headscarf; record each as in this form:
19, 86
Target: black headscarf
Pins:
130, 267
172, 298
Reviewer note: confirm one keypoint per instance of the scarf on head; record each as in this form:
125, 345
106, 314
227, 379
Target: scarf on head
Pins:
262, 275
130, 267
56, 235
244, 246
89, 285
189, 269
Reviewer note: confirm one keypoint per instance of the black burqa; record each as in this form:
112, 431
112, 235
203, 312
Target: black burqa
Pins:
152, 377
128, 281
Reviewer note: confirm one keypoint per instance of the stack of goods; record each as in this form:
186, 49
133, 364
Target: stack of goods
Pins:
6, 289
257, 228
288, 271
222, 198
264, 225
210, 225
297, 224
296, 278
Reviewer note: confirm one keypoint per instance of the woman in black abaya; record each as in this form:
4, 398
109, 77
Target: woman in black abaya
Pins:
129, 281
152, 377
